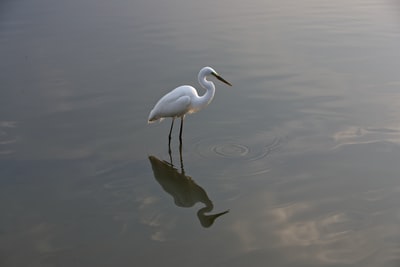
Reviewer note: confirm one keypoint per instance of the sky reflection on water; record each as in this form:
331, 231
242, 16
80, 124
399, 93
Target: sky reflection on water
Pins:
303, 150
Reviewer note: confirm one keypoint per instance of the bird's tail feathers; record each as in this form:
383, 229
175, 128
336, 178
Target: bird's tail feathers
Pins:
153, 120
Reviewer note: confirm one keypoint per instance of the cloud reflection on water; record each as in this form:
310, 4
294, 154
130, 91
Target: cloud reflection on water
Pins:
342, 213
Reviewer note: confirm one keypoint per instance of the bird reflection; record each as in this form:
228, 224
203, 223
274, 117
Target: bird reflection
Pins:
183, 189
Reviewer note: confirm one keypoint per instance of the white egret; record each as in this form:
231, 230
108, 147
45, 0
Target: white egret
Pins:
185, 100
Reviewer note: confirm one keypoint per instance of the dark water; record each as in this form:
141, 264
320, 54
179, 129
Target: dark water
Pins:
297, 164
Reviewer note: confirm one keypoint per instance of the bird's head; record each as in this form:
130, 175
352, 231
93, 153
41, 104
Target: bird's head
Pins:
210, 71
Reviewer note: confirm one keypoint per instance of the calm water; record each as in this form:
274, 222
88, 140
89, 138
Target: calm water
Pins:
297, 164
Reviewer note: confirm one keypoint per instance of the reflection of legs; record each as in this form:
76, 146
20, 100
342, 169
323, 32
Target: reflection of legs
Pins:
170, 156
180, 157
169, 136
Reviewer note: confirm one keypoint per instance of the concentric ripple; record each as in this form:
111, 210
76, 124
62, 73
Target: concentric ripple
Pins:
229, 148
237, 159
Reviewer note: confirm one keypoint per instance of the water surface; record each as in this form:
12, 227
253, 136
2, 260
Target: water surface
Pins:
295, 165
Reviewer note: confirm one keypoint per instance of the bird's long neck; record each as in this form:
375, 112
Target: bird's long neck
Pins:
205, 99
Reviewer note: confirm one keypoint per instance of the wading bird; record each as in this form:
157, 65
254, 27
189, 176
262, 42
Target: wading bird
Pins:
185, 100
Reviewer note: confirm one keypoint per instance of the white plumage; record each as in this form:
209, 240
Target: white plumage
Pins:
185, 100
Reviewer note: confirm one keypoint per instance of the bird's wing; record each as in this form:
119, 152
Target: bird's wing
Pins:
174, 104
181, 105
170, 107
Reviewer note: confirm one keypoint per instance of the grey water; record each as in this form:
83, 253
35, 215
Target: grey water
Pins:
296, 164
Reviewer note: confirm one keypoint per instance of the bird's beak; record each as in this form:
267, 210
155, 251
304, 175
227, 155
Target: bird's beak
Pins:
221, 79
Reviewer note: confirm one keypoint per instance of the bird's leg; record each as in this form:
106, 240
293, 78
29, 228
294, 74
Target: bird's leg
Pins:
180, 132
180, 147
169, 136
180, 141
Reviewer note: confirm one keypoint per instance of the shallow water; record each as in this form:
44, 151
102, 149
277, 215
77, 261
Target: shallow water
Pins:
295, 165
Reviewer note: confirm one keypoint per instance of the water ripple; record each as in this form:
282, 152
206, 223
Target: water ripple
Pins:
236, 157
230, 148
